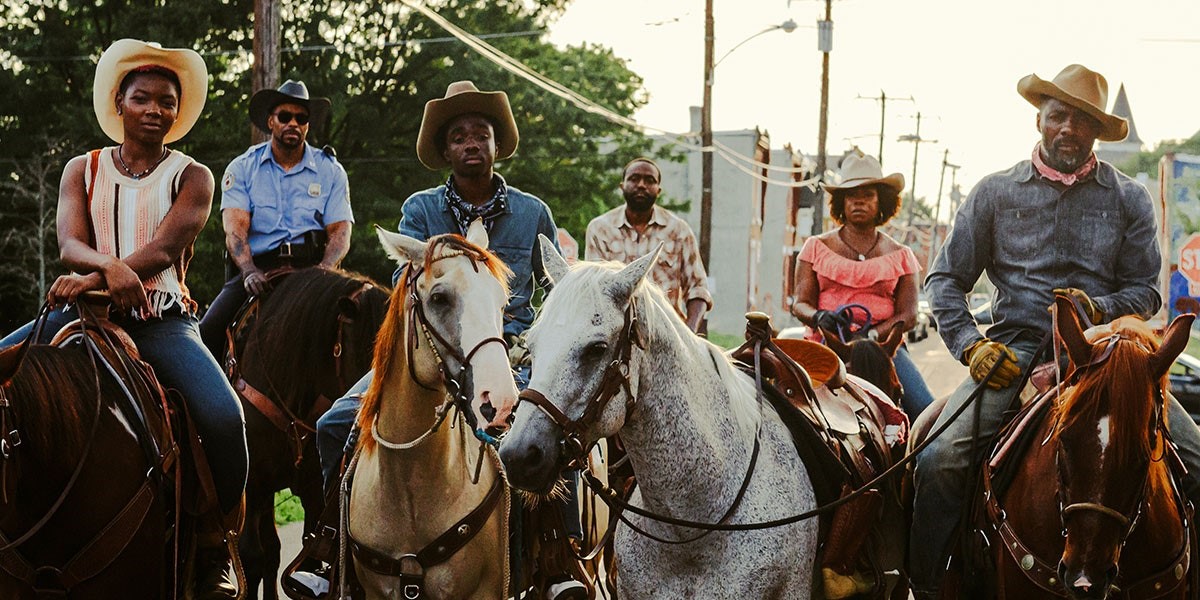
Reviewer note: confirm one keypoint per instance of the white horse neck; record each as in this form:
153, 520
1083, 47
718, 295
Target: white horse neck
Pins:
692, 432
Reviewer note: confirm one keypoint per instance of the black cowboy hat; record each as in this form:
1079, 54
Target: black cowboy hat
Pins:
292, 92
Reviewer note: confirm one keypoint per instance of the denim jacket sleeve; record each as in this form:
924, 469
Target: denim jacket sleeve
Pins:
969, 244
1139, 260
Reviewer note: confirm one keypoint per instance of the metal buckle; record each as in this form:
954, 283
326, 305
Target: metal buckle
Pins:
412, 591
285, 250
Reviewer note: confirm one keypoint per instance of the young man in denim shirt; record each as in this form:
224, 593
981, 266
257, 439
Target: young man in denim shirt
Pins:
1059, 221
467, 131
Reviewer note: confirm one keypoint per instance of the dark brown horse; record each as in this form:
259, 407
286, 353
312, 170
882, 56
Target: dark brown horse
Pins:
312, 338
872, 359
81, 511
1092, 508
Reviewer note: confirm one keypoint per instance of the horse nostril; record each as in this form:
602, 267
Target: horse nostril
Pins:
1082, 584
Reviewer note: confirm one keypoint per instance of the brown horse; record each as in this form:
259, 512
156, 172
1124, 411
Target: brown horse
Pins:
81, 515
872, 359
313, 337
1092, 508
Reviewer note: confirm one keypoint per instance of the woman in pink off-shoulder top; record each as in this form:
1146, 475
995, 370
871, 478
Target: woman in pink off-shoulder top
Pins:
859, 264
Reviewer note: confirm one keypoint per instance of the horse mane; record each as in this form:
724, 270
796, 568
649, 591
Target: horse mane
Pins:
391, 333
1119, 387
872, 362
53, 396
298, 324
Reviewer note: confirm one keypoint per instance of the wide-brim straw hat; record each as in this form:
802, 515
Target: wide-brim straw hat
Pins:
291, 92
462, 97
859, 169
1082, 88
127, 55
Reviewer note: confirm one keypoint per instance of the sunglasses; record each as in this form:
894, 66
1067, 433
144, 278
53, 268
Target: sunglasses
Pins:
284, 117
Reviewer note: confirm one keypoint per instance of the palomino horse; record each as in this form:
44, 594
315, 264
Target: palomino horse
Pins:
1114, 519
611, 355
311, 337
428, 509
80, 512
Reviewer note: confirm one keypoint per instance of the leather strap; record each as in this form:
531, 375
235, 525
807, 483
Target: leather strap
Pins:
435, 552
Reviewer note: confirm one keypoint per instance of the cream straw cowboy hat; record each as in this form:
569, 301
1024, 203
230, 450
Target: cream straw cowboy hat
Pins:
1082, 88
128, 55
860, 169
462, 97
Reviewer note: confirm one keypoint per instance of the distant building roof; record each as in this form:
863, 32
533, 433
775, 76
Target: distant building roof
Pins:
1121, 109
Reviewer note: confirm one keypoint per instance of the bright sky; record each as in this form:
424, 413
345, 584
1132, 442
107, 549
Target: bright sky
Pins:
960, 61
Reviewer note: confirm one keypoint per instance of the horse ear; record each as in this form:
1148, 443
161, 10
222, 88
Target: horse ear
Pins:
1174, 341
895, 337
477, 234
836, 344
555, 265
622, 284
1071, 332
400, 247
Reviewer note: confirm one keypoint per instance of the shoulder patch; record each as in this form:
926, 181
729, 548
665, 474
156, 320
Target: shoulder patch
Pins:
227, 182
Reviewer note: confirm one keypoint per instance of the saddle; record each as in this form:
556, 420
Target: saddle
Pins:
847, 432
164, 432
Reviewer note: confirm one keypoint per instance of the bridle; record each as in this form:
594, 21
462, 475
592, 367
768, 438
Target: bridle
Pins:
455, 384
615, 379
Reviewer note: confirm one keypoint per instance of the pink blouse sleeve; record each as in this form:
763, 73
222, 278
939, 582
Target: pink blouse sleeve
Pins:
908, 262
808, 252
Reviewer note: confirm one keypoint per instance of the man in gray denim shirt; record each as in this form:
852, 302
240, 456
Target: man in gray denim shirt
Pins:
1061, 220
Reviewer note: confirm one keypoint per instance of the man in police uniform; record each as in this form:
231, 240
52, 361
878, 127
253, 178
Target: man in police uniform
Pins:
283, 203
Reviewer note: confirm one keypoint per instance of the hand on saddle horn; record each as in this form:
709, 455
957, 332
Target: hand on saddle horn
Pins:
1090, 310
983, 354
255, 282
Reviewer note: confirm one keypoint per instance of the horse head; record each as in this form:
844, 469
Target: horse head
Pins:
583, 377
454, 292
1109, 437
871, 359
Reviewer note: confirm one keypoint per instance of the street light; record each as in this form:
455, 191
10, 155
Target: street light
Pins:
706, 158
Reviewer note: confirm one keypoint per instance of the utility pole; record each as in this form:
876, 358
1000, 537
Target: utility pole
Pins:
933, 234
267, 36
824, 45
706, 157
883, 98
916, 139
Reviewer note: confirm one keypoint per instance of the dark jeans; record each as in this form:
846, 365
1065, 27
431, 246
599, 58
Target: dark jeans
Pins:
172, 347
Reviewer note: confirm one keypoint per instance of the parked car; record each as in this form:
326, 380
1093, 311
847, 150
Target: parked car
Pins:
925, 320
1184, 381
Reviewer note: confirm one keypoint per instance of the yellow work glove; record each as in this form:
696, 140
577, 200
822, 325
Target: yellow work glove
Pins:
982, 355
1093, 312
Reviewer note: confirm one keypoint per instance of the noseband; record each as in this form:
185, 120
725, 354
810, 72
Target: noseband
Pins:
615, 379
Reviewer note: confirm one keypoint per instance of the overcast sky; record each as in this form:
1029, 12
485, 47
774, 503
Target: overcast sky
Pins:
960, 61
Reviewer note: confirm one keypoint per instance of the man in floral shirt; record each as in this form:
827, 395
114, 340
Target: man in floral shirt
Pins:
628, 232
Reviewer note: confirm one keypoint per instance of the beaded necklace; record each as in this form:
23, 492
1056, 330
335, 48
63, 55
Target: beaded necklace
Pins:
136, 176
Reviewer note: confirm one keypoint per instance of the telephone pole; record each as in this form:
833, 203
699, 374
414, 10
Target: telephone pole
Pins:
917, 140
933, 234
883, 98
267, 37
706, 157
824, 45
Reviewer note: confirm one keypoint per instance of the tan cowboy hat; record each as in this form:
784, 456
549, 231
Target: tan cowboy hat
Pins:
462, 97
1082, 88
859, 169
291, 92
127, 55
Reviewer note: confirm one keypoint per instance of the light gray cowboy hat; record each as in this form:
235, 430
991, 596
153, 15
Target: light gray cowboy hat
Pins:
462, 97
1082, 88
291, 92
859, 169
128, 55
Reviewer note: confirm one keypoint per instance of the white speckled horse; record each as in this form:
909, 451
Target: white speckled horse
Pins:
689, 421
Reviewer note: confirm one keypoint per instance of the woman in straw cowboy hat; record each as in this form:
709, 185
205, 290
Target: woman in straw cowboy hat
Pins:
859, 264
127, 217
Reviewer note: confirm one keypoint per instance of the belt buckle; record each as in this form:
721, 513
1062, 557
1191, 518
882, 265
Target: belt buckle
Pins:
285, 250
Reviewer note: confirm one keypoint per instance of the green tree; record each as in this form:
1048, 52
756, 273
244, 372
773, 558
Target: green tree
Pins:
377, 60
1147, 162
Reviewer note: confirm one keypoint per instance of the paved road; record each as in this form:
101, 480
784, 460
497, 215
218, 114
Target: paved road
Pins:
940, 370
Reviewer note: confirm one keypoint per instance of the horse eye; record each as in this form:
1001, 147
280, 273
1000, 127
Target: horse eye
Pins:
439, 299
595, 350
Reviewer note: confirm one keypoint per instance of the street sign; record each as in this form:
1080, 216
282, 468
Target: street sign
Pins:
1189, 260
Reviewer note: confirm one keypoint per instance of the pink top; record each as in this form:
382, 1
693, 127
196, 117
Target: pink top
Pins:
871, 282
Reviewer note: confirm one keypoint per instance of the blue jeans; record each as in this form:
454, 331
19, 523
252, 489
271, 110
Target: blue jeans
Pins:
917, 396
946, 466
337, 437
172, 346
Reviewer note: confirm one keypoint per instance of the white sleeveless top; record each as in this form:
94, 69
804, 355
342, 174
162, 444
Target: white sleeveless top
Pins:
125, 214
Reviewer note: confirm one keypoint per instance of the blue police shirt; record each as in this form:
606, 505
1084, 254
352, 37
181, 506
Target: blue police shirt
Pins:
283, 205
512, 237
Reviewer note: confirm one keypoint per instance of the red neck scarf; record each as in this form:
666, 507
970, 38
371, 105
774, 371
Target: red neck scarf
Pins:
1067, 179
